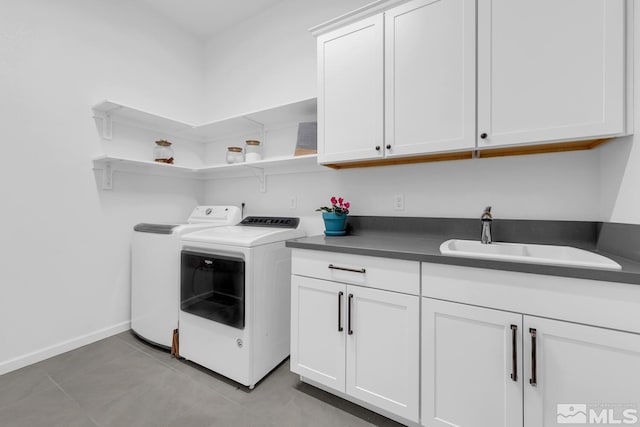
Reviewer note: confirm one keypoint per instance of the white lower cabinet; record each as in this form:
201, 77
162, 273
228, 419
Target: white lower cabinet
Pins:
593, 370
317, 331
383, 347
486, 367
359, 341
471, 366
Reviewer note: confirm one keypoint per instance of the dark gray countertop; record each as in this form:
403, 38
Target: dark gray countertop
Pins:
424, 246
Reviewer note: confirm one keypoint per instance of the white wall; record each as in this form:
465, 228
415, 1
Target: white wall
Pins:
274, 62
64, 269
552, 186
620, 162
269, 59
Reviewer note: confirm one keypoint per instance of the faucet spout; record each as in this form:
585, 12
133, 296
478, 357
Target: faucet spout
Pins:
486, 219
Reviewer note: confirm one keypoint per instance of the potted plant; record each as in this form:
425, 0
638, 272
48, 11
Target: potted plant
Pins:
335, 217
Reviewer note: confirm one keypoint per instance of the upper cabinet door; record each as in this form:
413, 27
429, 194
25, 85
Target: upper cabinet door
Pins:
550, 70
350, 92
430, 60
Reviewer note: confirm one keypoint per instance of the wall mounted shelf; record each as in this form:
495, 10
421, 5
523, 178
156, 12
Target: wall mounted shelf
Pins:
259, 169
110, 112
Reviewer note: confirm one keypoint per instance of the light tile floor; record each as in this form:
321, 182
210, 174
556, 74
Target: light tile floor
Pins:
124, 382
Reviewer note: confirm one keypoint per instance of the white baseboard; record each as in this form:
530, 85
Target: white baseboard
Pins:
56, 349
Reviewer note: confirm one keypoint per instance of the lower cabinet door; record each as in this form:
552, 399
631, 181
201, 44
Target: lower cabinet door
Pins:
577, 374
318, 330
471, 366
383, 349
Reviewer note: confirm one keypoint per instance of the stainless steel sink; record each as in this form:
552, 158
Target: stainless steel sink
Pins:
528, 253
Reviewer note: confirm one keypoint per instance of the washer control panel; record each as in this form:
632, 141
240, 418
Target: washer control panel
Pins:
218, 214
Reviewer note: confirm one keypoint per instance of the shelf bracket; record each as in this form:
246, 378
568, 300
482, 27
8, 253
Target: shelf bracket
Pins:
262, 178
107, 177
259, 124
106, 125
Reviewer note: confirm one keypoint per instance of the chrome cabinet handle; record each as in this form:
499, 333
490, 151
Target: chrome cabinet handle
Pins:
514, 353
349, 330
353, 270
534, 373
340, 328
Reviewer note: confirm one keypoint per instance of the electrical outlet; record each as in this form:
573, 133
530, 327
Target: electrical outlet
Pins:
293, 202
398, 202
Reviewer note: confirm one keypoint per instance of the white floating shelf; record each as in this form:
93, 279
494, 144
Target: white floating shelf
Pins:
280, 165
112, 111
144, 167
257, 121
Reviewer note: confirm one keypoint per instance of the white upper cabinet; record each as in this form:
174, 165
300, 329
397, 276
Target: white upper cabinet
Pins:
430, 59
465, 75
550, 70
350, 88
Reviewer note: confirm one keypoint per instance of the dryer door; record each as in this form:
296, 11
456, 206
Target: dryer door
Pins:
213, 286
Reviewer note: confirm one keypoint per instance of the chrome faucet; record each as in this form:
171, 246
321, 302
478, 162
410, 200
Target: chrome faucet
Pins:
486, 219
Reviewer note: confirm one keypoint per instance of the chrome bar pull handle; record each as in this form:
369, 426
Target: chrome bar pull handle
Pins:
340, 295
534, 372
514, 353
350, 308
353, 270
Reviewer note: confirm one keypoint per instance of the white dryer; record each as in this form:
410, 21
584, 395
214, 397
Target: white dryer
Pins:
155, 271
235, 296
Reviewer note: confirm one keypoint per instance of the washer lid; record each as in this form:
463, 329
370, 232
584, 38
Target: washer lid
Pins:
155, 228
243, 236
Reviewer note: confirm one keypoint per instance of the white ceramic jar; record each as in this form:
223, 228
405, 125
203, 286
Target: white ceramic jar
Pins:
253, 153
234, 155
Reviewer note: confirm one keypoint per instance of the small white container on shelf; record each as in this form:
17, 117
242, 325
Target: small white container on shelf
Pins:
234, 155
162, 152
253, 151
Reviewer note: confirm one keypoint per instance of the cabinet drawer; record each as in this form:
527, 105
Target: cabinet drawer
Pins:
381, 273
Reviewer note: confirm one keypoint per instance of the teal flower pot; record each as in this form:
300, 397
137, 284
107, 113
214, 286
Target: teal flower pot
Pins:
334, 224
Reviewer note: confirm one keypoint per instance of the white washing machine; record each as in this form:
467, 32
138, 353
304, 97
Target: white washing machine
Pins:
155, 271
235, 296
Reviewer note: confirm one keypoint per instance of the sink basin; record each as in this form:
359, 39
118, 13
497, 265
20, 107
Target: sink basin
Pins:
528, 253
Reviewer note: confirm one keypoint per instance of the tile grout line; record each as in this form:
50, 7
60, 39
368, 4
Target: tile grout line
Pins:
141, 350
72, 399
179, 372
